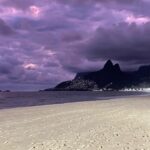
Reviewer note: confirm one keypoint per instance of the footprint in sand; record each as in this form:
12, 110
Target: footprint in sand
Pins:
65, 144
115, 134
126, 148
101, 147
6, 142
118, 144
147, 135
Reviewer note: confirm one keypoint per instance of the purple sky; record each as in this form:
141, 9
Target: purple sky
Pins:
44, 42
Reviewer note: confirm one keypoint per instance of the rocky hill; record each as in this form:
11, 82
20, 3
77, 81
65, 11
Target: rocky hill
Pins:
110, 77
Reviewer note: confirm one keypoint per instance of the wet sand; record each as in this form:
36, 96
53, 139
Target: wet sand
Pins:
117, 124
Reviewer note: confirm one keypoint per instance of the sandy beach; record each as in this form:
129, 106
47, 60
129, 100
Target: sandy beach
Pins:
117, 124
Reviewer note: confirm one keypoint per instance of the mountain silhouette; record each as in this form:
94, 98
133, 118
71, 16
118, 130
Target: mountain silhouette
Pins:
110, 77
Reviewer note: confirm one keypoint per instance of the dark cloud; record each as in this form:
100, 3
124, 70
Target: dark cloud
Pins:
122, 42
71, 37
45, 42
21, 4
5, 29
97, 1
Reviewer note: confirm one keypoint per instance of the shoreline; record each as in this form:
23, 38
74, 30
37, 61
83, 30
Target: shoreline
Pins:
30, 99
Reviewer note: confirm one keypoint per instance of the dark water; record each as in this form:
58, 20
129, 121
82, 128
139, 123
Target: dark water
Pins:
24, 99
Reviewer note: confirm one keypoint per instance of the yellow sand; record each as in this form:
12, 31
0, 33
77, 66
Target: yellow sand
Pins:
120, 124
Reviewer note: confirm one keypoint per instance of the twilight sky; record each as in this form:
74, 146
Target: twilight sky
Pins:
43, 42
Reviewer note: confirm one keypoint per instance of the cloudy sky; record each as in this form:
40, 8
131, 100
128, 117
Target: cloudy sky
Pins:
43, 42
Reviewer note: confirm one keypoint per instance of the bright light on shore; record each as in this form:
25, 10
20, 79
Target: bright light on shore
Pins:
140, 89
146, 89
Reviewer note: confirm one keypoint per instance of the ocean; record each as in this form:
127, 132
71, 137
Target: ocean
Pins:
26, 99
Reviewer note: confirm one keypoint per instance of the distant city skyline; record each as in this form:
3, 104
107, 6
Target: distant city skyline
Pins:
44, 42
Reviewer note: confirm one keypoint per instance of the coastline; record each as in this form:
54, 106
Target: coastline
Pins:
121, 123
29, 99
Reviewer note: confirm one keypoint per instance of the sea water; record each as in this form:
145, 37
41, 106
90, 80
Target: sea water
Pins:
24, 99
